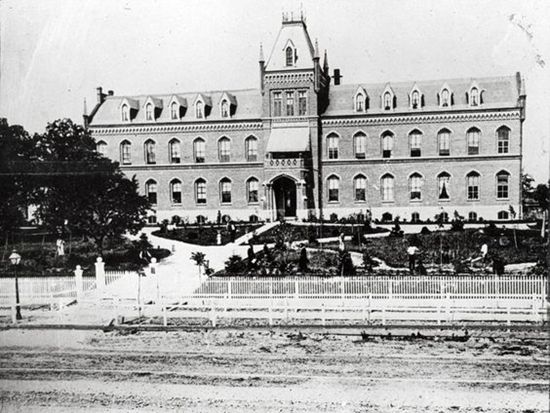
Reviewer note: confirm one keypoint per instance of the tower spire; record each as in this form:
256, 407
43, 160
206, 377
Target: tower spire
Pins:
262, 59
85, 109
316, 52
325, 62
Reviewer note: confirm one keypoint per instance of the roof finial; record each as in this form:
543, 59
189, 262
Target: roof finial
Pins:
85, 108
262, 59
316, 52
325, 62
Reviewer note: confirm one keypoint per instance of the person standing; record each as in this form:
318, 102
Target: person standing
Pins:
412, 252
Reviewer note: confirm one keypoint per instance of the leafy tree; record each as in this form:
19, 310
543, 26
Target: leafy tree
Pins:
235, 265
80, 190
200, 260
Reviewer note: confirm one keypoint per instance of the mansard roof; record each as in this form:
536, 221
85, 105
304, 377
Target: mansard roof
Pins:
293, 33
249, 106
498, 92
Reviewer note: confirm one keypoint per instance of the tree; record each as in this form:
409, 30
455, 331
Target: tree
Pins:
200, 260
80, 190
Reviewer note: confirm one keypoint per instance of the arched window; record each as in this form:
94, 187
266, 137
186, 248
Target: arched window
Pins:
251, 149
333, 188
472, 186
332, 145
360, 188
472, 216
174, 149
151, 191
225, 191
125, 113
150, 155
445, 98
503, 139
387, 144
225, 108
386, 188
388, 104
360, 102
472, 137
199, 110
415, 99
224, 149
415, 217
101, 148
503, 179
289, 55
444, 142
252, 190
199, 150
415, 186
149, 111
174, 111
474, 96
175, 191
360, 145
415, 143
200, 191
503, 215
387, 217
125, 153
443, 180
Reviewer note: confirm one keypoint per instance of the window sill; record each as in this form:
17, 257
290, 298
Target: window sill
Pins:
360, 202
254, 203
333, 202
473, 200
200, 205
415, 201
388, 202
503, 199
226, 203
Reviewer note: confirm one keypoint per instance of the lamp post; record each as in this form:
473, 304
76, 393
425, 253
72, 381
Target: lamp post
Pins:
15, 259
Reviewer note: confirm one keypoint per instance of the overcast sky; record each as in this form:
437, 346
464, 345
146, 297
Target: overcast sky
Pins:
55, 52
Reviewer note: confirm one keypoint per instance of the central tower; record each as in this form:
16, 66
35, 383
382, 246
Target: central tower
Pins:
294, 90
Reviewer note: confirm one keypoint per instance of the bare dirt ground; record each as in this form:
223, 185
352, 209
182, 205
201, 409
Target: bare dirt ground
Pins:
279, 370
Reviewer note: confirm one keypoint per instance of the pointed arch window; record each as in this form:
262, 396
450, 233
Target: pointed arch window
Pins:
503, 139
445, 98
387, 144
200, 191
149, 111
388, 101
174, 111
415, 186
333, 188
444, 142
443, 180
503, 179
474, 96
150, 154
472, 137
415, 143
472, 186
360, 145
225, 191
101, 148
151, 191
360, 188
125, 113
125, 153
289, 56
360, 102
224, 150
386, 188
175, 191
199, 150
225, 108
199, 110
174, 148
252, 190
251, 149
415, 99
332, 145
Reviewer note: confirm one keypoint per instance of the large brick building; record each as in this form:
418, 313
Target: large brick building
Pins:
302, 143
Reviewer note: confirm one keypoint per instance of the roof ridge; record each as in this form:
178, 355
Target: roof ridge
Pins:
160, 95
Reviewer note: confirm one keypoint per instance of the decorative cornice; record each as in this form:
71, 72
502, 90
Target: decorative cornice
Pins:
288, 77
426, 118
424, 159
203, 127
195, 166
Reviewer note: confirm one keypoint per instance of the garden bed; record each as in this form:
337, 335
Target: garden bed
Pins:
206, 234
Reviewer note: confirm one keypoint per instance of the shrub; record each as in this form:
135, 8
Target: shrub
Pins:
235, 265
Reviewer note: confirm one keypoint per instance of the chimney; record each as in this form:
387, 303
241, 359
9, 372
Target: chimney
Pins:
110, 93
337, 76
100, 95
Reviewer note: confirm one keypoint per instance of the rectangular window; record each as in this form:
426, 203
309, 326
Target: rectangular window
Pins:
251, 150
473, 143
387, 189
387, 145
444, 144
289, 103
416, 188
226, 192
473, 187
302, 103
126, 155
416, 145
502, 186
225, 150
360, 143
175, 155
252, 191
360, 189
332, 142
277, 104
176, 193
333, 190
201, 193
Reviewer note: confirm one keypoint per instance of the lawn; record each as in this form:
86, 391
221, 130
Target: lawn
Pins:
205, 234
38, 254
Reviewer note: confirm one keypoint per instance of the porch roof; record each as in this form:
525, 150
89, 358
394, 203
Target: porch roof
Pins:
290, 139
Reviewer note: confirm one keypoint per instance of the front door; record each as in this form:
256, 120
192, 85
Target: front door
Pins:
285, 197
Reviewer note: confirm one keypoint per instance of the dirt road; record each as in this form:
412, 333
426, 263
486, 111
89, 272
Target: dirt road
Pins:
311, 370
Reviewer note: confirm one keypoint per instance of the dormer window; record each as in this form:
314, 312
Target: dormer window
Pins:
415, 100
387, 101
289, 54
225, 108
174, 111
445, 98
199, 110
359, 103
474, 97
125, 113
149, 111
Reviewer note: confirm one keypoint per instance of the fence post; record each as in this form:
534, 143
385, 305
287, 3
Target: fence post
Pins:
164, 314
153, 272
100, 275
229, 288
79, 285
448, 306
213, 316
14, 314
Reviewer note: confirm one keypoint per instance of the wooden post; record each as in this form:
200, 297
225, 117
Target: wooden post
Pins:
79, 284
213, 316
229, 289
14, 314
100, 276
164, 314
